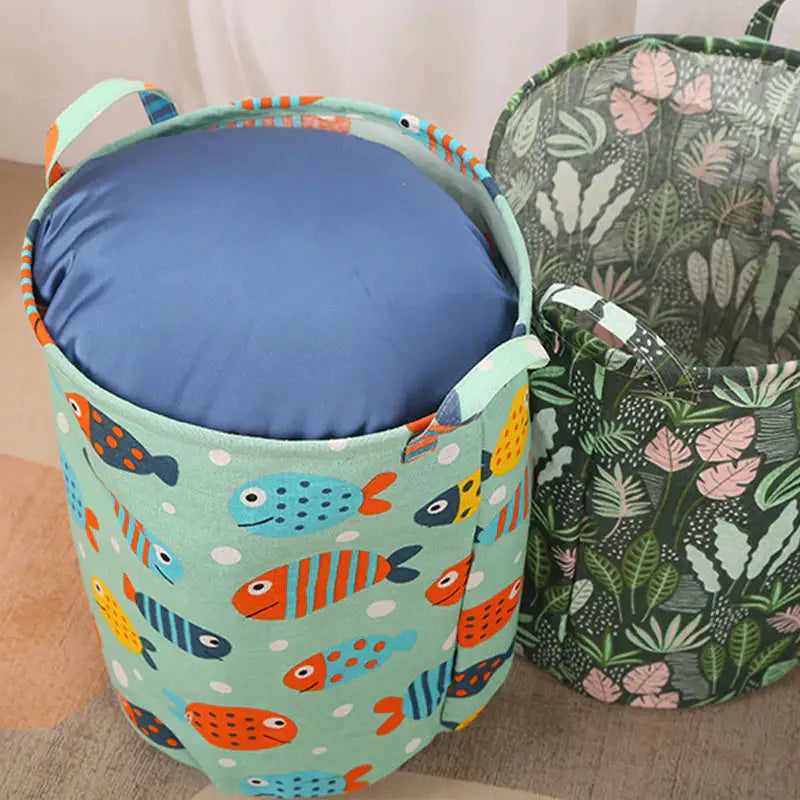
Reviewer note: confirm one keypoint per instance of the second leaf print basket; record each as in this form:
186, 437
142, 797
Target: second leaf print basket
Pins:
657, 182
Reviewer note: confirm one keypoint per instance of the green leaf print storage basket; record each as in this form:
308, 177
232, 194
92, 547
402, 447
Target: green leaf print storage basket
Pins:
307, 665
656, 180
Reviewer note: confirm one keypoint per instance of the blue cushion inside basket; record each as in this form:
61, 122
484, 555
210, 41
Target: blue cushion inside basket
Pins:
295, 284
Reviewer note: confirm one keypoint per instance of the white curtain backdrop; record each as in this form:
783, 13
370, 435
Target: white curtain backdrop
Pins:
452, 63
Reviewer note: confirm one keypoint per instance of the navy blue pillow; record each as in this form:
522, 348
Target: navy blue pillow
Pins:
294, 284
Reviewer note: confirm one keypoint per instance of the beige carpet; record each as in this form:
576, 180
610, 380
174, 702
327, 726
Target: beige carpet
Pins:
62, 736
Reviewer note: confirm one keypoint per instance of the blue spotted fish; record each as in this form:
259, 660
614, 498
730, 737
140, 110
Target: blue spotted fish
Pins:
421, 699
149, 725
346, 661
293, 504
189, 637
447, 148
510, 515
117, 447
309, 783
82, 515
473, 679
152, 552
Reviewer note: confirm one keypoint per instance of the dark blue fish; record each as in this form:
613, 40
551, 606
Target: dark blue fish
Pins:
474, 678
149, 725
189, 637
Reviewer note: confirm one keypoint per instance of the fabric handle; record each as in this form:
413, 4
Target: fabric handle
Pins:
760, 26
74, 119
473, 393
664, 365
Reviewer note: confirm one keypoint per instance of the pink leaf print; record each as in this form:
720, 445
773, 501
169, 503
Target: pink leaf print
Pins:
695, 97
667, 451
666, 700
648, 679
787, 621
567, 560
632, 113
729, 479
606, 336
601, 687
771, 191
726, 441
653, 73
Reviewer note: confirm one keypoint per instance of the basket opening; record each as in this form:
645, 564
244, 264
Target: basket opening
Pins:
669, 182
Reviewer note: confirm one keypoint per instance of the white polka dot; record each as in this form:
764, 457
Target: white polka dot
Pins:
226, 555
219, 457
381, 608
278, 645
498, 495
220, 687
348, 536
486, 365
450, 640
120, 673
337, 445
81, 550
168, 507
413, 745
318, 751
449, 454
227, 762
517, 557
343, 711
115, 544
137, 675
475, 579
61, 421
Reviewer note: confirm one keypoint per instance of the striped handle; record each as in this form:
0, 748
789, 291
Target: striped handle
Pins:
763, 21
74, 119
638, 339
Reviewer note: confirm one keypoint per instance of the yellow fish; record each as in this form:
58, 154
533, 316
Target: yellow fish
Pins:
514, 436
119, 623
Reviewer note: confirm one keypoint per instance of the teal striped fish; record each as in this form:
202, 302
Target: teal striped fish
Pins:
421, 699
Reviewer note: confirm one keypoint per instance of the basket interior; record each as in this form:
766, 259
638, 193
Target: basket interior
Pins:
669, 182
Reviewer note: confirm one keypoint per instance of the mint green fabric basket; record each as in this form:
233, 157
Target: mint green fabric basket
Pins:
311, 665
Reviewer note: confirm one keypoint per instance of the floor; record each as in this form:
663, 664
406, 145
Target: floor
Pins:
62, 736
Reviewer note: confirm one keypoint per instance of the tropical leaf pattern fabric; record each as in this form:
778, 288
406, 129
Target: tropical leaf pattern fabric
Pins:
663, 568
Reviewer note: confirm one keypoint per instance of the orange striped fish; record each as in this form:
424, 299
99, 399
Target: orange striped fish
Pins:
302, 587
149, 550
511, 514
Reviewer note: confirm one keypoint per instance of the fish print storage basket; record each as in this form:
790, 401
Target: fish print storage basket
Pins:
656, 180
294, 658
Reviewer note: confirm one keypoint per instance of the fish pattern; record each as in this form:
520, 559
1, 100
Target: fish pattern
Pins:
450, 586
347, 661
149, 725
472, 680
190, 638
309, 783
387, 601
455, 504
459, 726
462, 500
513, 513
421, 699
302, 587
120, 624
150, 550
116, 447
295, 504
479, 623
84, 517
234, 728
